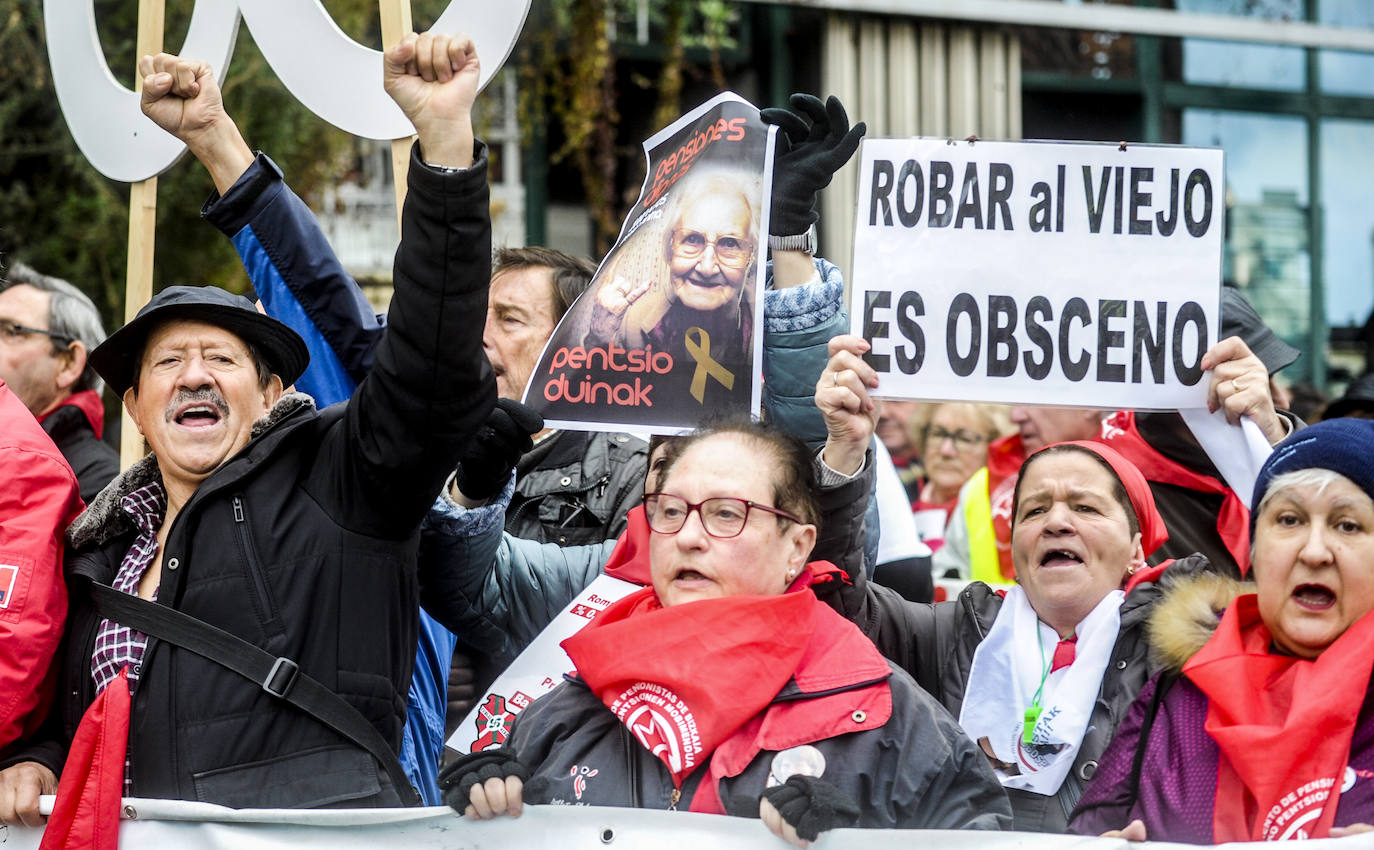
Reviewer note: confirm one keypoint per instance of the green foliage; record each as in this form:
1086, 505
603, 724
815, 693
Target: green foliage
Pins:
64, 218
568, 68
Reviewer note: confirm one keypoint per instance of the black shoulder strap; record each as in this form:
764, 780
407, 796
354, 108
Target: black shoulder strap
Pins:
1165, 681
280, 677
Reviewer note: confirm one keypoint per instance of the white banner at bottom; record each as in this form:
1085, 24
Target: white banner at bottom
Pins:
178, 825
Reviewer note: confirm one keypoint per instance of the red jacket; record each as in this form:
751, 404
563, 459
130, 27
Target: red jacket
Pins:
38, 500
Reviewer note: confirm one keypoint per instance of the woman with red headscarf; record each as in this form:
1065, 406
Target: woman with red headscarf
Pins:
1041, 676
1262, 727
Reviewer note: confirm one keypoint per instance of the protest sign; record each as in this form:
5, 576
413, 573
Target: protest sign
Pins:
535, 672
668, 329
1039, 273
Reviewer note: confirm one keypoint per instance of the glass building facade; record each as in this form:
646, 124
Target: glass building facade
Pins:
1296, 124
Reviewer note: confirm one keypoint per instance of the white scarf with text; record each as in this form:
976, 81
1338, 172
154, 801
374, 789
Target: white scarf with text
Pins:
1008, 668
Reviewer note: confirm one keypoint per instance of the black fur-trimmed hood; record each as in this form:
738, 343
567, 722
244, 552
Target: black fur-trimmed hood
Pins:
104, 519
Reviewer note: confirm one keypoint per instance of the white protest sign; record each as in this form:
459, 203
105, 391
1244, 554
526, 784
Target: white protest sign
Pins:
335, 77
535, 671
1039, 273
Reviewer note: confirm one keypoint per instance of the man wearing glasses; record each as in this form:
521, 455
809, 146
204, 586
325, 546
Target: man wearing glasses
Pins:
47, 327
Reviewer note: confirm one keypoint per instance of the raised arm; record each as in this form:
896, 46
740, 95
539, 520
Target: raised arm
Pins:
905, 632
294, 270
431, 386
494, 591
803, 302
181, 96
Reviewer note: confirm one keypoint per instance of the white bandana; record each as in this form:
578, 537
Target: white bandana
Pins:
1007, 669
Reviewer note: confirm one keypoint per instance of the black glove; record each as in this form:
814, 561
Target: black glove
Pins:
496, 448
456, 780
812, 805
814, 141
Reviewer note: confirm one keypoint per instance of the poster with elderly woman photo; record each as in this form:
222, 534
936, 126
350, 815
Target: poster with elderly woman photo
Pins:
666, 331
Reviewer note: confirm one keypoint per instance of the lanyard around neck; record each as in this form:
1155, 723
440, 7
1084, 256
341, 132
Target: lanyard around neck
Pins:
1032, 714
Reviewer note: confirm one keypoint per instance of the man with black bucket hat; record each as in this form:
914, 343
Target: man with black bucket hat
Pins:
243, 599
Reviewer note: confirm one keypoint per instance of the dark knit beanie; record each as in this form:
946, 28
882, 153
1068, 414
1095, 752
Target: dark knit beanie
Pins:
1341, 445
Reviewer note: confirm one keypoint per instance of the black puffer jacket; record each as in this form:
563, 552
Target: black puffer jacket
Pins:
935, 644
304, 544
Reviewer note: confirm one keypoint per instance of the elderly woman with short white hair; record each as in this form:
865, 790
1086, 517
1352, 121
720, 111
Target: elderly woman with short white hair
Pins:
1261, 727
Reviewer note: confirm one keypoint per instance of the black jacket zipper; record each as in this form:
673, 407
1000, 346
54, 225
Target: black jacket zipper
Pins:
267, 615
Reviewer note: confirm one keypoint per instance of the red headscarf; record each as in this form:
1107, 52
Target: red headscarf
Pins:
1233, 520
1152, 530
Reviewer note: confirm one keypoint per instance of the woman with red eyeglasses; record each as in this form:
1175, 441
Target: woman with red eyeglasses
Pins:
726, 686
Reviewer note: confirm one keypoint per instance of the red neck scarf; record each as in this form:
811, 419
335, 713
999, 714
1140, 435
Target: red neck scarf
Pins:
629, 560
685, 678
86, 813
1005, 457
1283, 724
1233, 521
89, 403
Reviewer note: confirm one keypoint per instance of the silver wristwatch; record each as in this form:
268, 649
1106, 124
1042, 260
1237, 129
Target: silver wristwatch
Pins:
804, 242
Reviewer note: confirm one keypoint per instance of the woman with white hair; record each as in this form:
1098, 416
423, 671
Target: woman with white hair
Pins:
1261, 727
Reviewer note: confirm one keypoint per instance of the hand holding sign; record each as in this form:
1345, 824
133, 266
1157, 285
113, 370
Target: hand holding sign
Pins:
483, 785
800, 809
1133, 831
842, 396
491, 457
434, 79
1240, 387
20, 787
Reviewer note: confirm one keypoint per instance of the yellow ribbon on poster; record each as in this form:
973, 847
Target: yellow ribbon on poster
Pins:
698, 343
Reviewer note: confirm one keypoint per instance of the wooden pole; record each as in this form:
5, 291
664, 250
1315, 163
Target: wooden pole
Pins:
395, 24
138, 282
